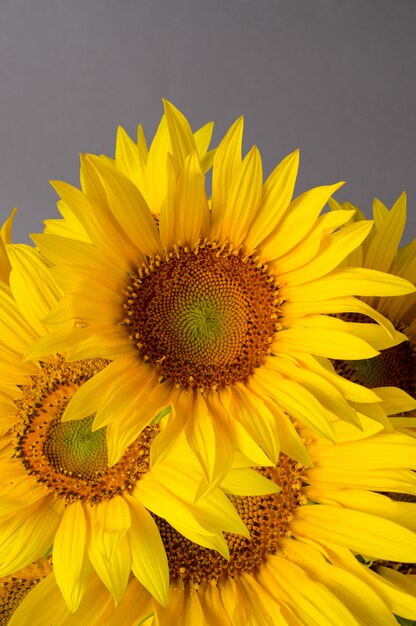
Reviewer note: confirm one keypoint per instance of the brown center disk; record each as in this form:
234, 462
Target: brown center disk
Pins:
13, 589
267, 518
392, 367
68, 457
204, 317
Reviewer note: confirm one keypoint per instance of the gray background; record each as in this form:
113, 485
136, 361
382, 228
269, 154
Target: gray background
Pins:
333, 77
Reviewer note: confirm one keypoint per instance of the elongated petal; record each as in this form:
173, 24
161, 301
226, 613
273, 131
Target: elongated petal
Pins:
276, 196
149, 561
227, 163
300, 218
386, 540
210, 441
110, 520
129, 208
336, 249
182, 139
70, 564
40, 523
244, 197
334, 344
352, 281
384, 245
192, 212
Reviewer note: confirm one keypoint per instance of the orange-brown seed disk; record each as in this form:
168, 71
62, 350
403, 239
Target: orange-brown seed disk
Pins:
268, 519
13, 589
68, 457
204, 317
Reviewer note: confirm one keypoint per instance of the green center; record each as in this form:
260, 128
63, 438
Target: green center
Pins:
73, 448
201, 321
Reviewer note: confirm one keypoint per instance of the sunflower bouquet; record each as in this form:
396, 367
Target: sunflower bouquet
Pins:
207, 398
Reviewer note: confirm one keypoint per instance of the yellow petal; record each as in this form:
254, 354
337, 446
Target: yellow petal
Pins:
209, 438
344, 527
32, 285
70, 563
276, 196
192, 212
149, 561
295, 400
363, 602
243, 199
384, 245
129, 208
110, 522
337, 247
183, 142
300, 218
333, 344
39, 522
227, 164
246, 482
351, 281
179, 514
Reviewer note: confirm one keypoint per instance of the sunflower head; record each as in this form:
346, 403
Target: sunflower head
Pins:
219, 307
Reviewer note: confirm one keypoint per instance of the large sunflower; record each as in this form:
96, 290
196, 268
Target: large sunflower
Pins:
58, 492
395, 366
303, 564
216, 308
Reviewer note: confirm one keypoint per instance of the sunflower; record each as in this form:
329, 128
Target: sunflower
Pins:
58, 493
394, 366
302, 564
213, 309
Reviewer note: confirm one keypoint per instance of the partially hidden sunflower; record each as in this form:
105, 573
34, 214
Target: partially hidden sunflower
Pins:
14, 588
57, 493
394, 366
214, 308
303, 563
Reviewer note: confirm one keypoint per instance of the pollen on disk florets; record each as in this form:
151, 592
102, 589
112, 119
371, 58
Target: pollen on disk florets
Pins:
268, 519
69, 458
393, 367
205, 317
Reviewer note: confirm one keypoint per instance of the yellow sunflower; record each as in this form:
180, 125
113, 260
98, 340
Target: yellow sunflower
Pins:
395, 366
215, 308
57, 492
303, 563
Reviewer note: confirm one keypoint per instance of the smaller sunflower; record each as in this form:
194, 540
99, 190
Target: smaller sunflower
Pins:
57, 489
302, 564
14, 588
395, 366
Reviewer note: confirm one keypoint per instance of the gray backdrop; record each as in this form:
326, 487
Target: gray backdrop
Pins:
333, 77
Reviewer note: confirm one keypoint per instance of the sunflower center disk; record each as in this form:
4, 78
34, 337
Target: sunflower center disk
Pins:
204, 317
267, 518
71, 447
68, 457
